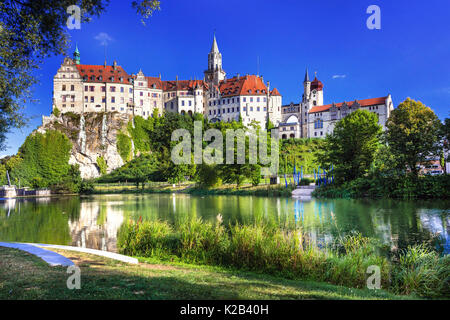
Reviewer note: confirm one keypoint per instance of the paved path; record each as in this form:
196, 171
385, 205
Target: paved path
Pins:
303, 192
52, 258
106, 254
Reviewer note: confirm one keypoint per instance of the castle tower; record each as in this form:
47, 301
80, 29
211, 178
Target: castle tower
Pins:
316, 92
76, 55
215, 73
306, 86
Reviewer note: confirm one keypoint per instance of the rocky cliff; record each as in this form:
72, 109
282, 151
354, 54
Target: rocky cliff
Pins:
94, 139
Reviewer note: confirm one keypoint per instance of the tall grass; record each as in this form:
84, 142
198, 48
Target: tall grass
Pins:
422, 271
287, 253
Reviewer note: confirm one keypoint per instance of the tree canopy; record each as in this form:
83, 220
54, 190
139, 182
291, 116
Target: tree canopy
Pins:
413, 134
352, 145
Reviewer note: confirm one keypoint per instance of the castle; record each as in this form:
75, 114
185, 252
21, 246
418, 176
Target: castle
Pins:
81, 88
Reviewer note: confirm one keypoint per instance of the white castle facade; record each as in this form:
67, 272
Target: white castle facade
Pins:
81, 88
310, 118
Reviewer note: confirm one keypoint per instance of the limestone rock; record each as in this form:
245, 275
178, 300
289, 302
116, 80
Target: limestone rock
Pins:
92, 135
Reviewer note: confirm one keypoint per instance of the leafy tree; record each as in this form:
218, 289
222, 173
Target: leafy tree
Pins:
43, 158
352, 145
207, 176
30, 31
413, 133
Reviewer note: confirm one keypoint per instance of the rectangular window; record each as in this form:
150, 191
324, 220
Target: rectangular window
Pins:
86, 99
257, 99
64, 87
182, 103
103, 100
121, 89
92, 100
86, 88
72, 88
142, 102
113, 100
130, 90
91, 88
122, 100
190, 103
72, 98
251, 99
113, 89
244, 99
141, 94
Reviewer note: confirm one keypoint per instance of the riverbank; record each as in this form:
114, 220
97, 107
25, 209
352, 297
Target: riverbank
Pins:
288, 253
191, 188
24, 276
393, 186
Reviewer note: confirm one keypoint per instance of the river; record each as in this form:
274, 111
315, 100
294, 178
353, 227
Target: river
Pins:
93, 221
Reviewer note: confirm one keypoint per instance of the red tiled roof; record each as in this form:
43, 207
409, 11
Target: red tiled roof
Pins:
250, 85
156, 81
106, 74
362, 103
275, 92
183, 85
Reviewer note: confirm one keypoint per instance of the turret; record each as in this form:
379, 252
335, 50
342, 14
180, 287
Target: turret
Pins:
306, 86
76, 55
215, 73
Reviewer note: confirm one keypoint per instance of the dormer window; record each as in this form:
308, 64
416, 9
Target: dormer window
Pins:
100, 78
92, 78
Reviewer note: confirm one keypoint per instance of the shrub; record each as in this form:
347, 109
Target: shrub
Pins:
101, 163
420, 270
56, 112
124, 147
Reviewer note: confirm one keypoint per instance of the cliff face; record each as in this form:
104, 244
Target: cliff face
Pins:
93, 135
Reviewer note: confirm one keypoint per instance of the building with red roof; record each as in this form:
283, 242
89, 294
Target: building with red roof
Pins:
81, 88
311, 118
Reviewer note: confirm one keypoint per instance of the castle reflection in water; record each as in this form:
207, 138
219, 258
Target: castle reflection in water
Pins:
93, 222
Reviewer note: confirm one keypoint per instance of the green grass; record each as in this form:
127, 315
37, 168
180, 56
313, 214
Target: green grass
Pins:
287, 253
24, 276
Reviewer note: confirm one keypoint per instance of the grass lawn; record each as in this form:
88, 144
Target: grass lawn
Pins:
24, 276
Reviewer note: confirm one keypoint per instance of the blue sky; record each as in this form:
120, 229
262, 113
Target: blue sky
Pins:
408, 57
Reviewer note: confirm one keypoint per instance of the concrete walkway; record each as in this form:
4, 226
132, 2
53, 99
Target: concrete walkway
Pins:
52, 258
303, 192
106, 254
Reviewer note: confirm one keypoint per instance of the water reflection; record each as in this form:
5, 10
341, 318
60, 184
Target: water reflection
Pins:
93, 222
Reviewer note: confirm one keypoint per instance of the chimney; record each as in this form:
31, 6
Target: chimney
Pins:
238, 76
114, 64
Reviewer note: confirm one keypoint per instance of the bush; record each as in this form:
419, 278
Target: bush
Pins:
56, 112
421, 271
101, 163
389, 186
124, 147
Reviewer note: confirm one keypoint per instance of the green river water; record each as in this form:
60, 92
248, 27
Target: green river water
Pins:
93, 221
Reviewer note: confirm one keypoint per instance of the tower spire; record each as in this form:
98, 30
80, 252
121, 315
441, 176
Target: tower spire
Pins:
214, 47
306, 76
76, 55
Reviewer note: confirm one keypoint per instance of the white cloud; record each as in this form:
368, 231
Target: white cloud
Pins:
103, 38
341, 76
